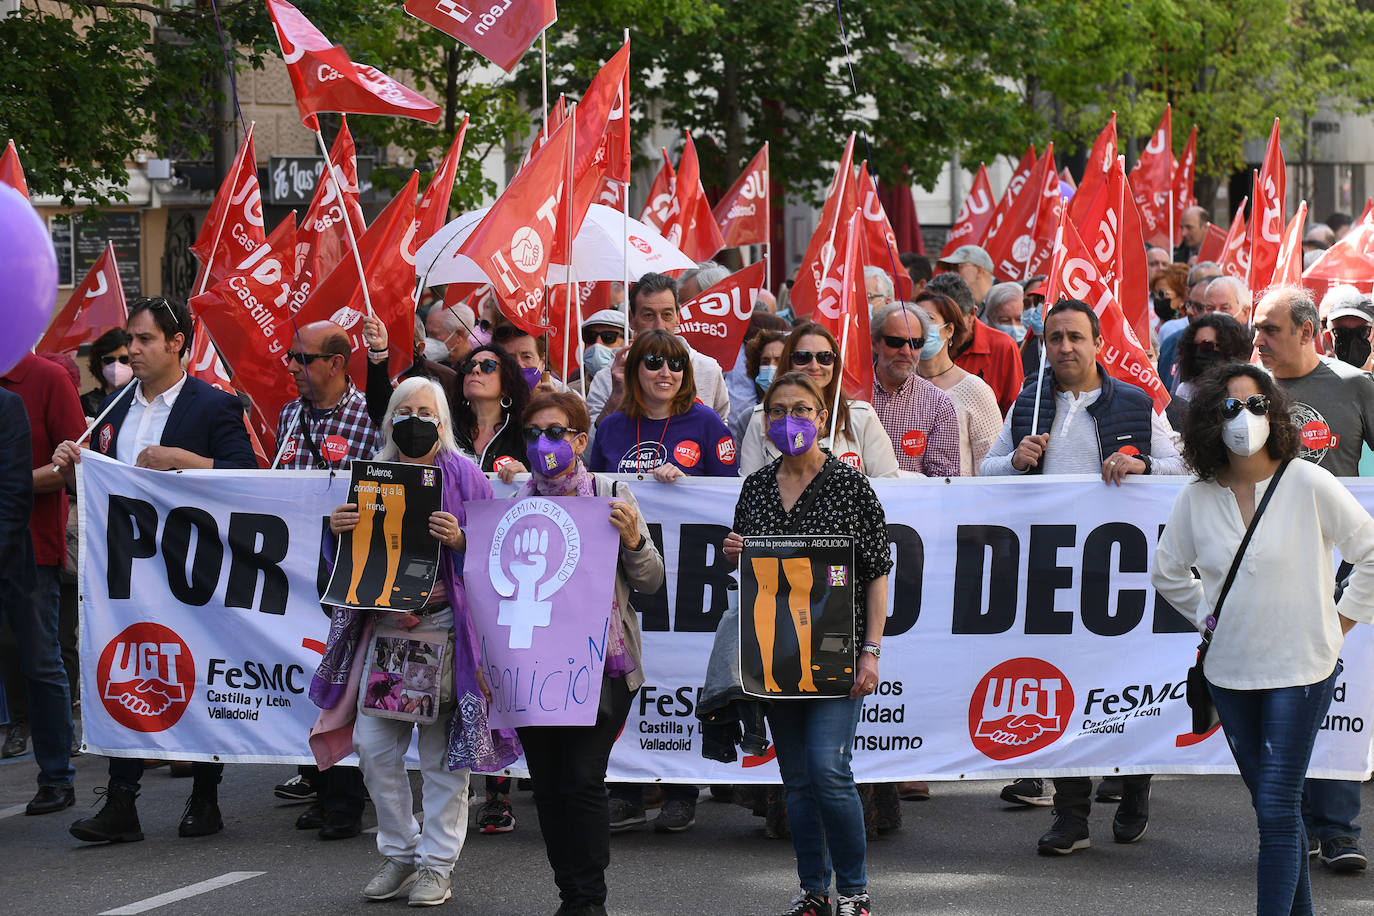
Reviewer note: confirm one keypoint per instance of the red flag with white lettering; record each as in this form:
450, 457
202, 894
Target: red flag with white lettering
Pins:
11, 172
526, 231
844, 308
1100, 161
1104, 229
1235, 252
742, 214
233, 228
603, 133
322, 241
689, 224
1351, 260
975, 215
1267, 222
1074, 275
1183, 181
1024, 242
1018, 181
828, 239
661, 204
715, 320
1288, 266
432, 212
325, 79
1152, 180
501, 33
204, 364
94, 307
880, 242
1134, 291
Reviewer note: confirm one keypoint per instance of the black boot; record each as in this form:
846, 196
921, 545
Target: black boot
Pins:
117, 821
1132, 815
1068, 834
201, 817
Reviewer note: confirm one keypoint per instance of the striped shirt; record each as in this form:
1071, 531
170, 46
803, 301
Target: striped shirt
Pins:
921, 422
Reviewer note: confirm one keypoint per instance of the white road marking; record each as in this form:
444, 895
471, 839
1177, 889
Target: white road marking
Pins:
11, 811
190, 890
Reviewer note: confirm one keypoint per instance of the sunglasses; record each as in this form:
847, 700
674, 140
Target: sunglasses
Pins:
110, 360
804, 357
609, 338
532, 433
488, 366
305, 359
1257, 404
654, 362
1205, 346
896, 343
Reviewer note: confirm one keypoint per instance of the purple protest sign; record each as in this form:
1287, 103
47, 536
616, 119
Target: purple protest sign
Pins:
540, 579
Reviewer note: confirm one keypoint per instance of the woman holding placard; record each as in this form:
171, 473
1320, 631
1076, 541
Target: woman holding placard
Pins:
808, 491
454, 738
568, 764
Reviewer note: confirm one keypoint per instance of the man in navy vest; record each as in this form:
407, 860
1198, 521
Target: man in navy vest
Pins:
1088, 423
164, 420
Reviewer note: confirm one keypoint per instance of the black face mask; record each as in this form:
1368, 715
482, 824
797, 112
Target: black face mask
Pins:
1352, 345
1204, 360
1164, 307
414, 436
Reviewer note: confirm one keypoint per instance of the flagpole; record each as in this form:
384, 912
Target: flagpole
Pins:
348, 223
281, 448
570, 285
219, 230
544, 78
581, 349
839, 382
768, 224
1040, 379
1025, 268
96, 422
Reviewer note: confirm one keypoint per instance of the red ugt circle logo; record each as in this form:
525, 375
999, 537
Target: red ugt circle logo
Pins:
146, 675
1019, 707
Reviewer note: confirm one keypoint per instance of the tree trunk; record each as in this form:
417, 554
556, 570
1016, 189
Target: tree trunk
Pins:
451, 94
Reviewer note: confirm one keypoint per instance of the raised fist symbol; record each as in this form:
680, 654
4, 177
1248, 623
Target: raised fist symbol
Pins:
524, 611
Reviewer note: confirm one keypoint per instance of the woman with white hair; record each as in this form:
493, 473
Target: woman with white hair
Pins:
417, 429
1003, 307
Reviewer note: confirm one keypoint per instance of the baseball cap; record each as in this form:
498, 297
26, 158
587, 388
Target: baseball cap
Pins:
1347, 301
968, 254
613, 317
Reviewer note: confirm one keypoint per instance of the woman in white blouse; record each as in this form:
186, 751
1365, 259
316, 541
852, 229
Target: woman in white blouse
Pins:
856, 435
1273, 658
980, 419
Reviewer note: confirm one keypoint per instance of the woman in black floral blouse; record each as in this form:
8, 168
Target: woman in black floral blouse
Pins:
815, 738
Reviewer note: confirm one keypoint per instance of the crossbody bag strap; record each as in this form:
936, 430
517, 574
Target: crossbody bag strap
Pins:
1211, 623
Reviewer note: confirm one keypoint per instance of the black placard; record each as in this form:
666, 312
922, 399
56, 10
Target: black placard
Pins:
80, 242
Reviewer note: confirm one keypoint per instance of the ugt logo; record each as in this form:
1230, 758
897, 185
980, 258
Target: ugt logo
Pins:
1019, 707
146, 675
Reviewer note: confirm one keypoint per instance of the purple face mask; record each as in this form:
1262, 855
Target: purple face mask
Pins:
550, 457
532, 376
792, 436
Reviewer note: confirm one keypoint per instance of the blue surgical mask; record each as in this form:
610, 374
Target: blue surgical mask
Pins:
934, 342
1032, 319
765, 377
1017, 331
595, 358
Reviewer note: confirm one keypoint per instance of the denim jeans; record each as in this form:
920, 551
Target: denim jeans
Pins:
1329, 808
1271, 733
815, 743
34, 625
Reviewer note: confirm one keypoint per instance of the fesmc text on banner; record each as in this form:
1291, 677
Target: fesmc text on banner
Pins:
796, 623
390, 560
540, 580
1022, 635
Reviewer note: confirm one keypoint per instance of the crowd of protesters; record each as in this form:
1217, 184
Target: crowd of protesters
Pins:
970, 377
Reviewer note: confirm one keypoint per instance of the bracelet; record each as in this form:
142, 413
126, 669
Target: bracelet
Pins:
375, 350
875, 644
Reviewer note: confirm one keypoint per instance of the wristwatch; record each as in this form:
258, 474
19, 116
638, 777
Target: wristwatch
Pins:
872, 648
1149, 465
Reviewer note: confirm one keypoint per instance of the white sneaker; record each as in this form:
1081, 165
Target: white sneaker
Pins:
431, 888
396, 876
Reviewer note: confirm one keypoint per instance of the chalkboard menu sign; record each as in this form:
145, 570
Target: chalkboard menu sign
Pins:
291, 180
80, 242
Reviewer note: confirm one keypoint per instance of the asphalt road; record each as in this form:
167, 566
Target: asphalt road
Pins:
962, 852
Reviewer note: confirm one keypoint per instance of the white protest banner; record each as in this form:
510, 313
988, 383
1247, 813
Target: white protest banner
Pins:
1023, 637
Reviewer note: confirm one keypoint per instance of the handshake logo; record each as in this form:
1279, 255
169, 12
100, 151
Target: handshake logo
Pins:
146, 675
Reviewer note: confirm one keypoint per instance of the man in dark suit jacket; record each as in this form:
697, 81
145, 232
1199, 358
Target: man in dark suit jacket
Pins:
164, 420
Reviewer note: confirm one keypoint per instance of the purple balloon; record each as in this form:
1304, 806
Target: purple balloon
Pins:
28, 276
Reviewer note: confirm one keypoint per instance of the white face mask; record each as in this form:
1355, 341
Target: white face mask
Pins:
1245, 433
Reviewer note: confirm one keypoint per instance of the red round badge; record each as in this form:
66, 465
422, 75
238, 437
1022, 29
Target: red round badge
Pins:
106, 435
642, 246
1129, 450
725, 450
334, 448
146, 676
1317, 434
289, 452
914, 443
853, 460
687, 453
501, 462
1019, 707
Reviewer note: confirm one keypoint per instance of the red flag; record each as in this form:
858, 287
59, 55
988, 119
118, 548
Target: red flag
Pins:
974, 215
205, 364
690, 225
1351, 260
387, 251
432, 212
1074, 275
11, 172
826, 242
325, 79
323, 241
1100, 162
1104, 227
1134, 290
591, 297
1018, 181
502, 34
1368, 213
742, 213
603, 134
661, 205
1066, 178
557, 116
1235, 251
880, 242
844, 310
1024, 242
1183, 181
233, 228
94, 307
1266, 233
1213, 245
1288, 267
715, 321
1152, 178
612, 194
526, 231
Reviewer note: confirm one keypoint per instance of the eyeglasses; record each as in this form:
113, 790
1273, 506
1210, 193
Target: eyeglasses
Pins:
110, 360
654, 362
1197, 308
424, 413
875, 297
1257, 404
804, 357
896, 343
532, 433
305, 359
488, 366
797, 412
609, 338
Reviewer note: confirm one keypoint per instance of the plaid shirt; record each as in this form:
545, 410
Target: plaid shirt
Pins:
348, 420
921, 422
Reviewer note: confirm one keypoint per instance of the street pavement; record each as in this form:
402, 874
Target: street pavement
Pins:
962, 852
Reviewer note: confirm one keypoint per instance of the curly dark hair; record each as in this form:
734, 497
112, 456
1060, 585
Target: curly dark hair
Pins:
104, 345
1233, 342
514, 389
1203, 447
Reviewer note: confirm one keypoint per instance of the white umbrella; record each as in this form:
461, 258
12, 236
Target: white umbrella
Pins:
598, 251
